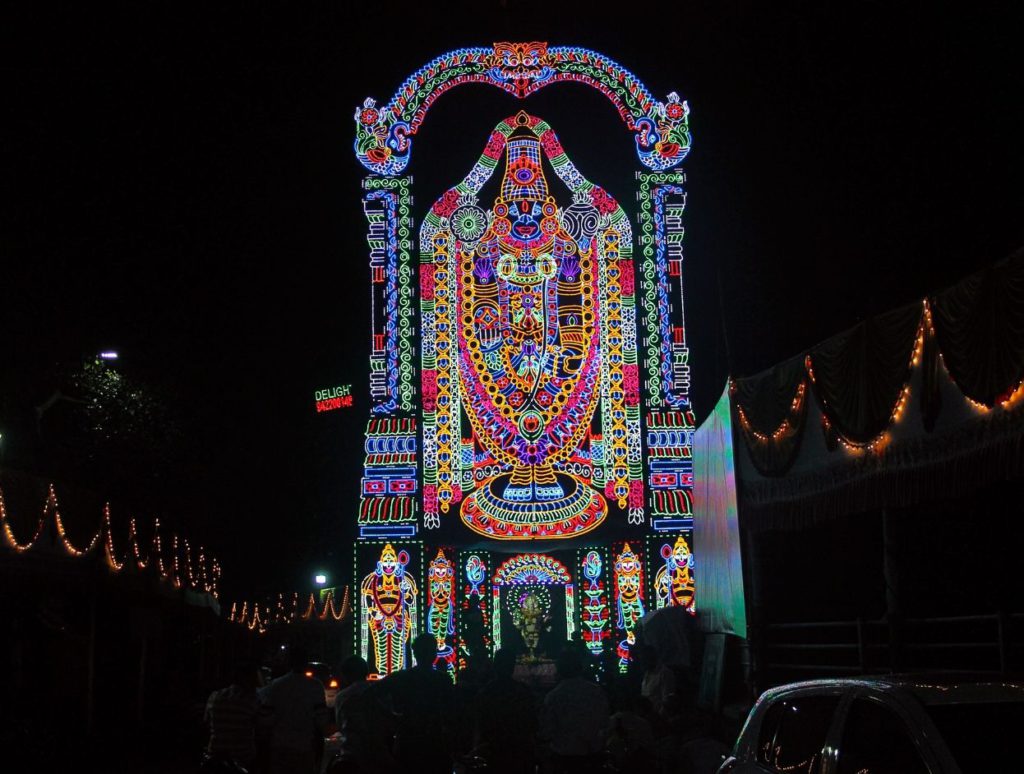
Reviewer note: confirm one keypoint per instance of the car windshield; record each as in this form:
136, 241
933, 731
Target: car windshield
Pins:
978, 733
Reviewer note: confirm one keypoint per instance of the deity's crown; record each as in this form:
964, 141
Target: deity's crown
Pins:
524, 175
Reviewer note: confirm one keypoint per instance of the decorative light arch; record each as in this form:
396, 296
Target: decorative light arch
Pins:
384, 135
532, 570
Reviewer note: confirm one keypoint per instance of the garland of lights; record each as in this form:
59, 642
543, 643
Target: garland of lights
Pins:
791, 423
202, 574
384, 135
880, 441
259, 617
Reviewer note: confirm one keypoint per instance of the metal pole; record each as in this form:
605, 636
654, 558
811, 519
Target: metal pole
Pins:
861, 649
140, 703
891, 573
90, 706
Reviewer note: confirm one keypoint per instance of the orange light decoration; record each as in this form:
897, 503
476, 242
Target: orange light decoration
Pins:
9, 533
784, 428
111, 558
204, 578
158, 547
882, 440
51, 502
275, 612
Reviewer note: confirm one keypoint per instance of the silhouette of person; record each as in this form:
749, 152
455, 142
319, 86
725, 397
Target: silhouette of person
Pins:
423, 704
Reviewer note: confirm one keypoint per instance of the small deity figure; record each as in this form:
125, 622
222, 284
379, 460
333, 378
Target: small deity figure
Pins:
674, 583
441, 608
389, 601
629, 600
528, 616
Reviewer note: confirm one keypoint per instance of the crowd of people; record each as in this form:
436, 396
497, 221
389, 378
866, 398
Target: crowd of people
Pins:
592, 719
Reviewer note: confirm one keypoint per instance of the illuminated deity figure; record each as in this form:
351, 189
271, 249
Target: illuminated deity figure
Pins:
441, 607
389, 601
629, 600
529, 614
674, 583
527, 303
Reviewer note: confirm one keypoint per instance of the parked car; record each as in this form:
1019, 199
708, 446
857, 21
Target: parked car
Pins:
910, 724
327, 676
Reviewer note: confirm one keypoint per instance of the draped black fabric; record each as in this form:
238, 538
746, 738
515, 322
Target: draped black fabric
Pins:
767, 401
976, 454
931, 379
859, 374
980, 327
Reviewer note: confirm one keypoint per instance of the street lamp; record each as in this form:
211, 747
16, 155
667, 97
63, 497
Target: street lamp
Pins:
320, 579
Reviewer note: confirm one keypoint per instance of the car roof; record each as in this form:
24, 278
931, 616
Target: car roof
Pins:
928, 688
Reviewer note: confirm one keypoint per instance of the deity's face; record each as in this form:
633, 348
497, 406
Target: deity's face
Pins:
681, 554
526, 223
628, 571
440, 584
520, 60
388, 561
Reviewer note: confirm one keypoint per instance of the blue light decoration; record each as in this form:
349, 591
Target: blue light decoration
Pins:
384, 135
670, 422
388, 507
529, 374
389, 222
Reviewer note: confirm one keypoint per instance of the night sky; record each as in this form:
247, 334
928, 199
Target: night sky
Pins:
181, 187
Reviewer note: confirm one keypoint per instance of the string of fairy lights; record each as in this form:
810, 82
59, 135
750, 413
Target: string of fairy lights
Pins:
286, 609
201, 574
877, 444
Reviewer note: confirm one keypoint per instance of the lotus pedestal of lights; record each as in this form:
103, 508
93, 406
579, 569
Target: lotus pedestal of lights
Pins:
528, 473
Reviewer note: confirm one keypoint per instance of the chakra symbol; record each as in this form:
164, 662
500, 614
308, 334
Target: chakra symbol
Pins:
469, 223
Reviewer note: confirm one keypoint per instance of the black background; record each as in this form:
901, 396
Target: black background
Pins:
180, 185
